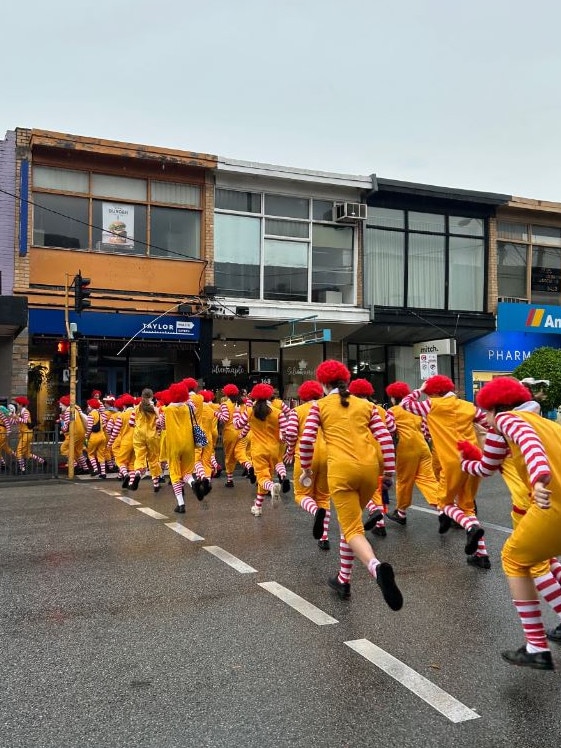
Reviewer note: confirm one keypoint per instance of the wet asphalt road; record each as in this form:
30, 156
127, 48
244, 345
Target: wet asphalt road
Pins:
118, 630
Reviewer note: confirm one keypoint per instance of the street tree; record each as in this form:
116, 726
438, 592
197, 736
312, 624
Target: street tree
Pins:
544, 363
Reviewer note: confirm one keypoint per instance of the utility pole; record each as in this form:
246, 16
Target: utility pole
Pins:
73, 359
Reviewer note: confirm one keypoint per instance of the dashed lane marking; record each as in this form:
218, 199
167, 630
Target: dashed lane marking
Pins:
183, 531
316, 615
128, 500
145, 509
447, 705
232, 561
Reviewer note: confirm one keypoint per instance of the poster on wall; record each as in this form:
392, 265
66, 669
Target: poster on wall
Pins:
118, 224
429, 365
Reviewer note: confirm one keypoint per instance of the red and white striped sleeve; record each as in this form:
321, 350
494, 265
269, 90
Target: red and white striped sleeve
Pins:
89, 424
495, 450
117, 426
132, 419
425, 429
65, 421
390, 422
223, 414
413, 404
309, 436
162, 420
291, 430
384, 439
533, 451
237, 419
243, 424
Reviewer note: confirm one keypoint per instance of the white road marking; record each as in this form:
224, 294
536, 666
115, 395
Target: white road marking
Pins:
147, 510
127, 500
184, 531
298, 603
232, 561
500, 528
447, 705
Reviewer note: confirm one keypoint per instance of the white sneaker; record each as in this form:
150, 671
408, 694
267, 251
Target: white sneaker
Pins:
256, 511
275, 494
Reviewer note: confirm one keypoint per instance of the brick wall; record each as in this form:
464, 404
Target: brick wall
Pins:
7, 211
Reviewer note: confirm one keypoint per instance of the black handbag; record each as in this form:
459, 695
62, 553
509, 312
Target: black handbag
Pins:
199, 436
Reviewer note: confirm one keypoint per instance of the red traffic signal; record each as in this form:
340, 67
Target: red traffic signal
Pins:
63, 346
81, 292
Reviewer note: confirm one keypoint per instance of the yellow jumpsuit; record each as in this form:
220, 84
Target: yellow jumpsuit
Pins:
264, 447
413, 460
146, 443
353, 464
319, 490
79, 437
234, 447
179, 441
122, 444
203, 455
97, 441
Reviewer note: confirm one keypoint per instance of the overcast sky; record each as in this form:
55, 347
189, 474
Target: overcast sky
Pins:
461, 94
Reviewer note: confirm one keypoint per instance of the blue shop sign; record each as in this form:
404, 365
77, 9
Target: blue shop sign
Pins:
115, 325
504, 351
532, 318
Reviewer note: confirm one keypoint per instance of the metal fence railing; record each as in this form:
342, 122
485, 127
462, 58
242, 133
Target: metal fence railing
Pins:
33, 454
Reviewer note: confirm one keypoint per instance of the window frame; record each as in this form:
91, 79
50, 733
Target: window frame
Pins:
147, 203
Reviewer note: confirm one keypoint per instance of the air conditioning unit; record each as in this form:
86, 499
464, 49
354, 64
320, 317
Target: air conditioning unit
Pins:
349, 212
265, 365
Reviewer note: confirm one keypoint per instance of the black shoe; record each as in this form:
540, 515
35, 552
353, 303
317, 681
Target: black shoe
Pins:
285, 485
376, 516
554, 635
198, 489
180, 509
229, 484
482, 561
125, 482
251, 475
537, 661
395, 516
444, 523
317, 530
218, 472
207, 488
324, 545
380, 531
342, 589
156, 488
473, 536
135, 482
161, 479
245, 473
390, 590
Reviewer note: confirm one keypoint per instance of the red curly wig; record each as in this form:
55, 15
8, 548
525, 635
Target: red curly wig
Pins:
65, 400
261, 392
21, 400
361, 388
178, 392
94, 404
506, 391
230, 390
398, 390
191, 383
207, 395
439, 385
331, 371
311, 389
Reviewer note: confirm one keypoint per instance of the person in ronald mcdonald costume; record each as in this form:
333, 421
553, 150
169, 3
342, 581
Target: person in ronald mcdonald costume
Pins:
234, 445
79, 433
146, 440
532, 442
266, 424
348, 423
22, 418
451, 420
95, 440
413, 458
313, 498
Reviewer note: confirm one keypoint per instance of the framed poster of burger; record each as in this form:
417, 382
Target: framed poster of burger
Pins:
118, 225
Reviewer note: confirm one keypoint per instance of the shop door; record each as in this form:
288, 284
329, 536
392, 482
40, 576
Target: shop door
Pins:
108, 379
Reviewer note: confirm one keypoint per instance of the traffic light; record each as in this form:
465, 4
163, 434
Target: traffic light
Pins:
81, 292
88, 359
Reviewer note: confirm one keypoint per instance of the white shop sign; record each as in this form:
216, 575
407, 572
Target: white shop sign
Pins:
443, 347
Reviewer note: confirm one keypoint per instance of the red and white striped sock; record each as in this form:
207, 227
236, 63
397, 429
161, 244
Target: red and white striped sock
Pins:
259, 499
267, 485
83, 462
280, 470
371, 507
532, 625
326, 524
373, 567
555, 568
481, 548
102, 467
177, 491
214, 462
199, 470
247, 465
550, 589
460, 517
309, 505
346, 557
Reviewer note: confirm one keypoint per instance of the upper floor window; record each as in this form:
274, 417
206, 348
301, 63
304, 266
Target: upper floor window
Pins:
529, 262
424, 260
282, 248
107, 213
